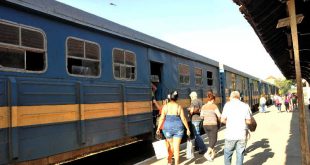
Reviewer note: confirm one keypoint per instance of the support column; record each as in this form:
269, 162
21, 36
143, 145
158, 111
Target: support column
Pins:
302, 113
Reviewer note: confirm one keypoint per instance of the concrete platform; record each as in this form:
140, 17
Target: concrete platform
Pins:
275, 141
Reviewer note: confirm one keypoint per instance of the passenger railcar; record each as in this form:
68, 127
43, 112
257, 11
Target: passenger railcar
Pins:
242, 82
73, 83
251, 88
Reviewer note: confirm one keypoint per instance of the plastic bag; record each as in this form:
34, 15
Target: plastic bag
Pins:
189, 149
160, 149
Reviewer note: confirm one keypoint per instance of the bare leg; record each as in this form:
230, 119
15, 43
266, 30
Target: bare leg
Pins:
176, 149
169, 143
212, 154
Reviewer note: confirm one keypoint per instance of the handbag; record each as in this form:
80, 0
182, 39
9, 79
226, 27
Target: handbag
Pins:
189, 149
253, 125
160, 149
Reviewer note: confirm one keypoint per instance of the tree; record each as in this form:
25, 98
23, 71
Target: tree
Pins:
284, 85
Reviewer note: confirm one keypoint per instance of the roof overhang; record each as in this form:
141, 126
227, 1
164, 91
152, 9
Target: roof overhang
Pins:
264, 16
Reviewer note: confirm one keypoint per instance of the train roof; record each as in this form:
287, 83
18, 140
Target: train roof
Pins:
230, 69
68, 13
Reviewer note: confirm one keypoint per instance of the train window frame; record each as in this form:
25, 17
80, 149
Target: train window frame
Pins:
233, 79
24, 51
255, 87
125, 66
83, 59
197, 77
184, 76
209, 78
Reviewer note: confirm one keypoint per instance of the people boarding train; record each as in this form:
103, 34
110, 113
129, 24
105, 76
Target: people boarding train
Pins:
156, 92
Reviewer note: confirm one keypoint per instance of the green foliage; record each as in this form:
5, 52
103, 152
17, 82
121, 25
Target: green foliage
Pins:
284, 85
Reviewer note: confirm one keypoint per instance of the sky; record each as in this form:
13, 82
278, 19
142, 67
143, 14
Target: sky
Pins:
212, 28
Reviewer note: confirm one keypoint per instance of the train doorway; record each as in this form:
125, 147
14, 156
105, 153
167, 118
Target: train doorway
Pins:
156, 79
157, 90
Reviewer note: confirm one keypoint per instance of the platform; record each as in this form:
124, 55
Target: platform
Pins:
275, 141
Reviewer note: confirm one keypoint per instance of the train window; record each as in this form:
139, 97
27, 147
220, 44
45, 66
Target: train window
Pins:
124, 64
32, 39
83, 57
198, 76
243, 83
255, 87
22, 48
209, 78
233, 81
184, 74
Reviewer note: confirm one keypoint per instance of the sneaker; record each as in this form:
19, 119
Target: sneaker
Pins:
208, 157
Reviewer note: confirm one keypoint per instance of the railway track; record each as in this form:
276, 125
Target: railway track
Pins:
125, 155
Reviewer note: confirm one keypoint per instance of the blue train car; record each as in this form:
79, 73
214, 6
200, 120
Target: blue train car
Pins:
73, 83
247, 85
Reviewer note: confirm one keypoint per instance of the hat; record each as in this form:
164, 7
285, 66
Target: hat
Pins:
193, 94
154, 78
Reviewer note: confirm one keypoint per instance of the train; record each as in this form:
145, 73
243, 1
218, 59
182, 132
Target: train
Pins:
73, 83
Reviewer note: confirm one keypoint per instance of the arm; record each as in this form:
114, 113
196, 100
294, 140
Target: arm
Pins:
190, 110
161, 119
157, 105
248, 116
184, 121
248, 121
223, 120
224, 117
218, 114
202, 112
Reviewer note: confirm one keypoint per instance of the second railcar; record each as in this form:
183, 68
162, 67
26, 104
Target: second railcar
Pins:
246, 84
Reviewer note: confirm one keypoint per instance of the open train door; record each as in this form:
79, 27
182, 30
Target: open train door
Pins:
157, 89
156, 79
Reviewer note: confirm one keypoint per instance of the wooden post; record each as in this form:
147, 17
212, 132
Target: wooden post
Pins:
302, 113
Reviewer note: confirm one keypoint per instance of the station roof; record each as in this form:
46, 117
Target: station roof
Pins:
263, 16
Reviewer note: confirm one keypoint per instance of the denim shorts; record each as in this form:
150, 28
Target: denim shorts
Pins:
173, 127
171, 133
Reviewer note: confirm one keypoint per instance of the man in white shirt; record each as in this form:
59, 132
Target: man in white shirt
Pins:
236, 116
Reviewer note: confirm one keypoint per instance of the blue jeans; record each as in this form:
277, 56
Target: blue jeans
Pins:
198, 140
279, 107
263, 107
230, 146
